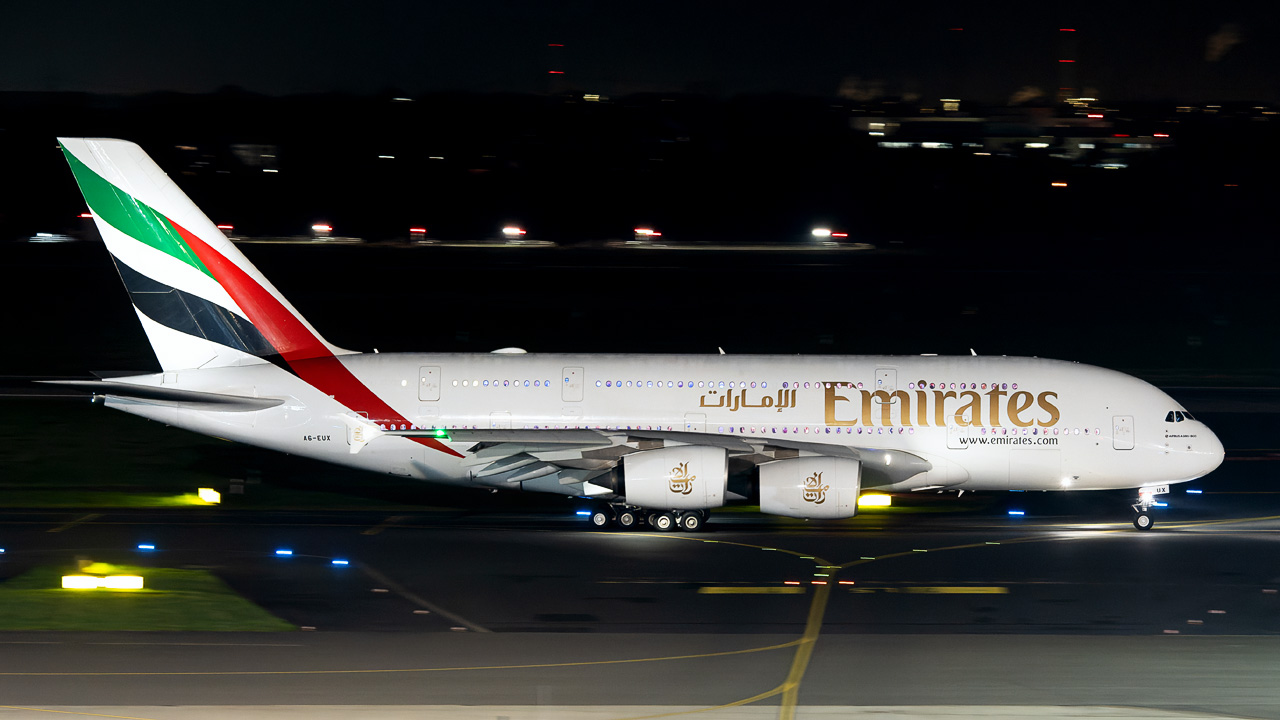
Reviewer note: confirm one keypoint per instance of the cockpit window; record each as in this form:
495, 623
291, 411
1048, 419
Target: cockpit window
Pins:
1187, 415
1178, 416
1169, 417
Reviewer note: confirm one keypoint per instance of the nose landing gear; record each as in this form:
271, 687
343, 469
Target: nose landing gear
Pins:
1142, 509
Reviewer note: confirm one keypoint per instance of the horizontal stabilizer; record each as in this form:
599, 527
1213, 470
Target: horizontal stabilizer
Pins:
171, 396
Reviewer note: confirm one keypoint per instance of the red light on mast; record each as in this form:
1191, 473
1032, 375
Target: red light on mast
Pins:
1062, 61
1066, 29
555, 72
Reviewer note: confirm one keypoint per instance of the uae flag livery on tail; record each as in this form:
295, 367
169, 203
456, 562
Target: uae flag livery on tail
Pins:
200, 301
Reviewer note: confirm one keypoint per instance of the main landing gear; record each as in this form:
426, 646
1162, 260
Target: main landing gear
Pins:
628, 517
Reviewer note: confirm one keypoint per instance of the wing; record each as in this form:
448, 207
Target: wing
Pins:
582, 461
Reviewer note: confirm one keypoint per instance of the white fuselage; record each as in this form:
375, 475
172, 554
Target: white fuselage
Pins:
984, 423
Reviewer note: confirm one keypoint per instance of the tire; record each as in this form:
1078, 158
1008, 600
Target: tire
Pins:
600, 519
650, 519
691, 522
1143, 521
627, 519
664, 522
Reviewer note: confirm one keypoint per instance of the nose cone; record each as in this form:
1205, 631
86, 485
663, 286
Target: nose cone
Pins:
1208, 453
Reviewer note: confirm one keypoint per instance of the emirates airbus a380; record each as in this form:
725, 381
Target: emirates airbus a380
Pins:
655, 439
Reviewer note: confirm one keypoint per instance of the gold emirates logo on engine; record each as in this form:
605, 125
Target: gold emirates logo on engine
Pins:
681, 480
814, 491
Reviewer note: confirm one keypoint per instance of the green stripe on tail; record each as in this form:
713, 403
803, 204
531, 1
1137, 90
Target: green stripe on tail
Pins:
130, 216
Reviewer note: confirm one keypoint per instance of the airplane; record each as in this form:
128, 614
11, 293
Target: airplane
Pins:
654, 440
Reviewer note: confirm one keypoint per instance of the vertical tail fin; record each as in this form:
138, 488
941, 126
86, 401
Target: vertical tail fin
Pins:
201, 302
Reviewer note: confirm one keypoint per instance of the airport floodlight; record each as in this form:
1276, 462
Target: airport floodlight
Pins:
820, 232
512, 231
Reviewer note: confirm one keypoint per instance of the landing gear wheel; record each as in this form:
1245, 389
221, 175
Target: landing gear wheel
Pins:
600, 519
1143, 521
651, 519
691, 522
627, 519
665, 522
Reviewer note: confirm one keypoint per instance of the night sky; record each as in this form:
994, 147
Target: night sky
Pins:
1124, 51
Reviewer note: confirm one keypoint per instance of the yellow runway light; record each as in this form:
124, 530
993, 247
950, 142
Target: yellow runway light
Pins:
210, 495
94, 582
80, 582
123, 582
875, 500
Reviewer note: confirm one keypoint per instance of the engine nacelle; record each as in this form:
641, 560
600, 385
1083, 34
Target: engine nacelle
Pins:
811, 487
685, 477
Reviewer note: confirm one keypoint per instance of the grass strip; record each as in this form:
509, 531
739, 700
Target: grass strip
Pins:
172, 600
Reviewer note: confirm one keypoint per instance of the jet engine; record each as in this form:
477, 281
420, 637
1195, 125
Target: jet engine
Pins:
684, 477
811, 487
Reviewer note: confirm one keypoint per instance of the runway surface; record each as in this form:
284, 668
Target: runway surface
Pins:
516, 616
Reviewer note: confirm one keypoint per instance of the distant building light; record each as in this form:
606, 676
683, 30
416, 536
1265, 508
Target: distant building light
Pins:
1095, 116
1058, 184
401, 99
386, 157
436, 157
1066, 29
876, 133
226, 227
591, 98
270, 170
1087, 146
893, 144
512, 231
417, 231
86, 215
1036, 145
642, 232
839, 235
936, 145
1161, 135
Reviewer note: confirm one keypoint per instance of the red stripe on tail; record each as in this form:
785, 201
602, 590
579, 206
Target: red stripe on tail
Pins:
301, 349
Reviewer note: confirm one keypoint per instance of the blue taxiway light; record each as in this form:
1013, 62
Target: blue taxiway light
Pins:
284, 552
1194, 492
1016, 512
583, 513
146, 547
340, 562
1, 551
1160, 504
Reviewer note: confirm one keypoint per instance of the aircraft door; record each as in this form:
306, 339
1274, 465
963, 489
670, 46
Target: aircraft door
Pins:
429, 383
958, 432
886, 379
571, 388
1122, 432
